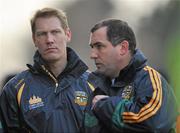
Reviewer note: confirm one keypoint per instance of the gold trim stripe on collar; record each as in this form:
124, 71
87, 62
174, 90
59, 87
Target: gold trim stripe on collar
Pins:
91, 86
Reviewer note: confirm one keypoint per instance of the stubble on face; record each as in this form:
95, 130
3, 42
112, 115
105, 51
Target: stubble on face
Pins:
50, 39
103, 53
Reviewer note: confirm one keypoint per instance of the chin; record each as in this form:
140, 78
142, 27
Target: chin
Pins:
100, 71
51, 58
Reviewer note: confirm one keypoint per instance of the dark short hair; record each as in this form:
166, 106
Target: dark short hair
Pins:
117, 31
49, 12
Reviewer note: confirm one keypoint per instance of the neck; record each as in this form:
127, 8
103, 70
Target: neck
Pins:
123, 63
58, 66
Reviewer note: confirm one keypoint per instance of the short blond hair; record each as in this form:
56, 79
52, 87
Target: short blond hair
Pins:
49, 12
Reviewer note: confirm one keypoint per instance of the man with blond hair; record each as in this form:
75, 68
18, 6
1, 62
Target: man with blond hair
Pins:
51, 95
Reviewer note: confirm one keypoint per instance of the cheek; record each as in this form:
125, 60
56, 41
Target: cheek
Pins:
38, 43
106, 59
41, 47
62, 41
111, 58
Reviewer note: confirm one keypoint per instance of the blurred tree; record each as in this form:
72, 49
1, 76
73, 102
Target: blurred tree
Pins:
156, 30
159, 39
173, 59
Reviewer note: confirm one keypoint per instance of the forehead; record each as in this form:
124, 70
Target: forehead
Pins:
47, 22
99, 33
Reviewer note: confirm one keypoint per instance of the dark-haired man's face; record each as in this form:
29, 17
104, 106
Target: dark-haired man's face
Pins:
104, 54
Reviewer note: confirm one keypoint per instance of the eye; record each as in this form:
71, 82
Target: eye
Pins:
54, 32
97, 46
40, 34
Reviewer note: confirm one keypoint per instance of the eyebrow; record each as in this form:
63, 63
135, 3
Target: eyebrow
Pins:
50, 30
96, 43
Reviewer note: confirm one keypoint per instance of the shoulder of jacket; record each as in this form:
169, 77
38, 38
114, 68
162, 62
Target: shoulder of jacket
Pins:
14, 88
148, 76
144, 75
86, 74
15, 83
145, 71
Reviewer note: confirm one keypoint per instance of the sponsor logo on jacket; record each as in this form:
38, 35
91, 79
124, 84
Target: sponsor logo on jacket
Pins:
35, 102
81, 98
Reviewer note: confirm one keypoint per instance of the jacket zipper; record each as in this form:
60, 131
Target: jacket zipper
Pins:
52, 77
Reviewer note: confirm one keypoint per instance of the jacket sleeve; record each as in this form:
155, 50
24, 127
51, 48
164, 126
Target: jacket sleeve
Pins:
1, 128
9, 109
146, 111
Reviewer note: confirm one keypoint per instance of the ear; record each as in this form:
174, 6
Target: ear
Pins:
124, 47
68, 34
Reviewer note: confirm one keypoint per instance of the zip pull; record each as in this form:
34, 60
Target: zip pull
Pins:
52, 76
55, 90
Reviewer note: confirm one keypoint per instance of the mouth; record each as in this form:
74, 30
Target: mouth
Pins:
98, 65
49, 50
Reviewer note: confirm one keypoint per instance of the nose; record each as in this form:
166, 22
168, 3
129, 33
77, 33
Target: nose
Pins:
93, 54
49, 38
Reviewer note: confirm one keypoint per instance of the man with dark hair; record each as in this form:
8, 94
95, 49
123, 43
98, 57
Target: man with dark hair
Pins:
134, 97
52, 94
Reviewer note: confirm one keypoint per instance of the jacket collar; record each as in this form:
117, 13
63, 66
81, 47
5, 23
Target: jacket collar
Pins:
75, 66
99, 82
126, 75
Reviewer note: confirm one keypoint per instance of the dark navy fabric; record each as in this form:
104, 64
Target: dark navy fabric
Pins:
134, 89
43, 106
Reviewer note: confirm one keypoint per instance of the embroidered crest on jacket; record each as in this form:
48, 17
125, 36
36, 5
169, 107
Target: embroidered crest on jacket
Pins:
81, 98
127, 92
